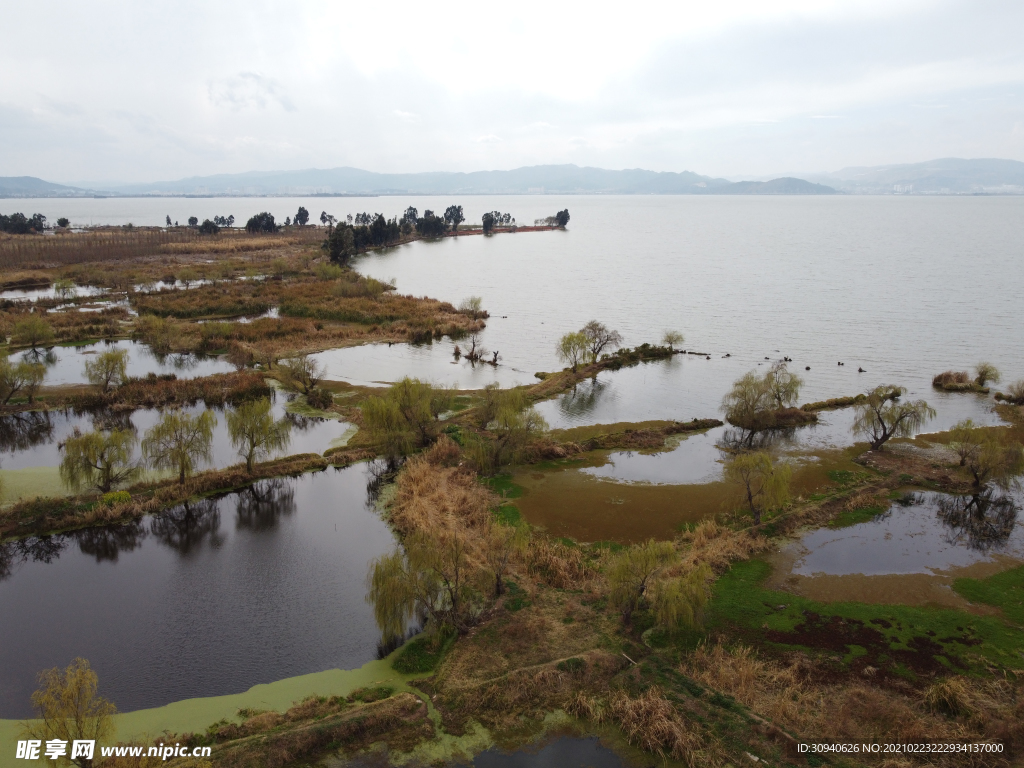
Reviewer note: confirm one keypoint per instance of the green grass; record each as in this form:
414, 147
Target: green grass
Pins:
504, 486
422, 654
508, 514
1004, 590
855, 516
903, 640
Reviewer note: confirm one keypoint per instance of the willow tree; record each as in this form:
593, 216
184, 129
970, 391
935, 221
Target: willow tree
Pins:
24, 377
572, 349
407, 415
985, 456
763, 483
107, 369
633, 570
782, 385
882, 416
746, 400
512, 423
100, 460
431, 576
179, 441
255, 434
69, 709
32, 331
984, 373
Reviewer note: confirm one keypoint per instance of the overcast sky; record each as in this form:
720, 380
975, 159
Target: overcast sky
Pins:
145, 91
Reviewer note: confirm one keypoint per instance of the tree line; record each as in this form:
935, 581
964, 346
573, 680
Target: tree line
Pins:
20, 224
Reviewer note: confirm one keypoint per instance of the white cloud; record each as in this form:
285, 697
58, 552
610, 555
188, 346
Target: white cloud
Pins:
142, 91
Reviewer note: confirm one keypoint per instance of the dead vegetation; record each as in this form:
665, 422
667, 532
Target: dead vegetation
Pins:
788, 694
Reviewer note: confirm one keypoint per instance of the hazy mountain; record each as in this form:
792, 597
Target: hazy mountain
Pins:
784, 186
946, 176
540, 179
30, 186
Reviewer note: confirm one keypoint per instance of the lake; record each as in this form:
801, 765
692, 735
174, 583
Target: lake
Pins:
206, 599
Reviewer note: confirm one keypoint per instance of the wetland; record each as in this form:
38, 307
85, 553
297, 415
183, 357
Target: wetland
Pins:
880, 582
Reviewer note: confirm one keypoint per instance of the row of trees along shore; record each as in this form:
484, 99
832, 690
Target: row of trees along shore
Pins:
179, 442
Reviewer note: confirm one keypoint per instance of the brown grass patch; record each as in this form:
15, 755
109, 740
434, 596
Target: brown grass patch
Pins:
788, 695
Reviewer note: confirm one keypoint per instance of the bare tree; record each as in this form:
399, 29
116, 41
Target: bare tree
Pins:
599, 337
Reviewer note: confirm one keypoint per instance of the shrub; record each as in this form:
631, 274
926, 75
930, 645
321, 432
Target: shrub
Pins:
422, 654
115, 497
573, 666
320, 399
953, 381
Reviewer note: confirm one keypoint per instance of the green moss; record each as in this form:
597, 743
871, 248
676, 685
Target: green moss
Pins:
508, 514
855, 516
371, 693
422, 654
898, 638
1004, 590
504, 486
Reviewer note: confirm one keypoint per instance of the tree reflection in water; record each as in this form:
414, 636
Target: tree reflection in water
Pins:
261, 505
42, 549
582, 400
739, 439
982, 520
186, 527
108, 541
109, 421
382, 472
21, 431
45, 356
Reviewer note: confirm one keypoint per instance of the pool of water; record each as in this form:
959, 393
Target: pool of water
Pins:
66, 364
374, 365
923, 533
32, 440
210, 598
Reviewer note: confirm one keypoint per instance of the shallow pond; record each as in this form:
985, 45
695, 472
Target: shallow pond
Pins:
374, 365
207, 599
66, 364
29, 441
909, 554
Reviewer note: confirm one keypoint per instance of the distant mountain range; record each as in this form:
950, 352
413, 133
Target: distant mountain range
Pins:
540, 179
30, 186
948, 176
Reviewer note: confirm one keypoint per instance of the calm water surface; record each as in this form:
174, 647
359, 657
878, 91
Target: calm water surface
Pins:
207, 599
66, 365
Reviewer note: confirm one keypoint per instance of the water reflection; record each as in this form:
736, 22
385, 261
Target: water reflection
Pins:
186, 604
39, 549
109, 541
583, 400
981, 521
919, 533
260, 506
21, 431
188, 526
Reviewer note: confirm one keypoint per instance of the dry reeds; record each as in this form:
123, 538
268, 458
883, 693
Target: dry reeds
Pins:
558, 564
430, 498
953, 381
101, 245
788, 696
716, 546
650, 722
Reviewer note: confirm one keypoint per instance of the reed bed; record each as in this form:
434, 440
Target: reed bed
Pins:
23, 251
